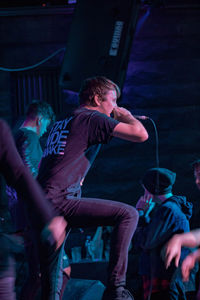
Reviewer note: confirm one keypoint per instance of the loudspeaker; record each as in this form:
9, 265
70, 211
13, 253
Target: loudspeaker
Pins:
79, 289
99, 41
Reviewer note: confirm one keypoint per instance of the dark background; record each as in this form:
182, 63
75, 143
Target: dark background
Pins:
162, 82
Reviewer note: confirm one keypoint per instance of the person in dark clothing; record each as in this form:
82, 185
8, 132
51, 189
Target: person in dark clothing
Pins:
39, 115
169, 216
27, 140
71, 148
50, 227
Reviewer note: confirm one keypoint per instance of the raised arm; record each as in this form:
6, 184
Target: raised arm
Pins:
129, 127
19, 177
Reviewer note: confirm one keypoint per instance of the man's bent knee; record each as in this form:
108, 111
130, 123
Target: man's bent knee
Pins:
130, 212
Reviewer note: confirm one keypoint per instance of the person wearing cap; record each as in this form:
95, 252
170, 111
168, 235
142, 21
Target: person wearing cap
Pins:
168, 214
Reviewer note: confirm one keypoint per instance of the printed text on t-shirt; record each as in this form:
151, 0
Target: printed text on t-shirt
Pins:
57, 138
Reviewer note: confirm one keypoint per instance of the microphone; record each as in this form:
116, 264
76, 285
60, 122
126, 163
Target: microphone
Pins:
141, 117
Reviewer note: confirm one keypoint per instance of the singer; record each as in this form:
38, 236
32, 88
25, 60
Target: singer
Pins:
72, 146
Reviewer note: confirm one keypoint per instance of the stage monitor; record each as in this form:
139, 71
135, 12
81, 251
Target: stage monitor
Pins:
99, 41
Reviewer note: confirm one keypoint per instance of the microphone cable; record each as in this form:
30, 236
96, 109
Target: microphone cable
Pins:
157, 186
144, 118
156, 143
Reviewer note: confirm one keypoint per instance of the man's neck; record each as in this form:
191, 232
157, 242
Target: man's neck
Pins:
162, 198
90, 107
29, 126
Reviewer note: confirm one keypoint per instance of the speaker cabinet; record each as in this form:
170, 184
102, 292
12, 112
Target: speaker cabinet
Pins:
99, 41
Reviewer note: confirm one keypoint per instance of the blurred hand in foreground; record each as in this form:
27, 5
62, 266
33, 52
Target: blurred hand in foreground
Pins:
57, 227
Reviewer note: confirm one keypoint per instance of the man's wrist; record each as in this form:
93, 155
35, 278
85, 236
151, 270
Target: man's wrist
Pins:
140, 211
129, 119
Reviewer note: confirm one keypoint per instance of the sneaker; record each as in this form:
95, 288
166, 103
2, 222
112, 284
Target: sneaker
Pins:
119, 293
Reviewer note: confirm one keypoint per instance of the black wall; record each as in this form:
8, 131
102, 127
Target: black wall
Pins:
162, 82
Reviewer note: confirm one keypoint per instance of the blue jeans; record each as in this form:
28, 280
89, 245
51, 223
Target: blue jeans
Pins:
88, 212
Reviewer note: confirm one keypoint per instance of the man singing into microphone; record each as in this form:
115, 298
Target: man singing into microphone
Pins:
72, 146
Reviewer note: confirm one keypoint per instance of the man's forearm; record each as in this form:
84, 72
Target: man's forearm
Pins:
196, 235
190, 239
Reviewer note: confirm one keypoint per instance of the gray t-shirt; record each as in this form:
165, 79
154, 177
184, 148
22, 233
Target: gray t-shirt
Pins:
71, 148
